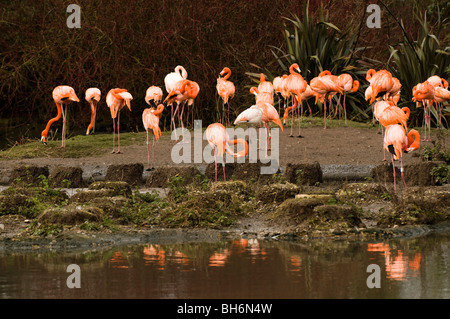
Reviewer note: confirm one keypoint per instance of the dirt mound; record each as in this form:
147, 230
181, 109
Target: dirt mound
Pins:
70, 215
130, 173
66, 177
420, 174
28, 174
304, 173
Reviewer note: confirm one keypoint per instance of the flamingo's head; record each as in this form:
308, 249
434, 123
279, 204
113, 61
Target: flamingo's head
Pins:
127, 97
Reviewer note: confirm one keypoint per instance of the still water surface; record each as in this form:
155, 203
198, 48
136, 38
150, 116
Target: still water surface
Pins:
243, 268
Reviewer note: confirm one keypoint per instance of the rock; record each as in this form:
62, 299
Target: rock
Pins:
25, 175
304, 173
162, 175
319, 196
298, 209
130, 173
66, 177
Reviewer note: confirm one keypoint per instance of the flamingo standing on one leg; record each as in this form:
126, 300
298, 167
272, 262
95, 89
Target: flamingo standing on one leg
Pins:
116, 99
93, 97
62, 95
396, 142
150, 119
217, 137
349, 85
170, 82
226, 90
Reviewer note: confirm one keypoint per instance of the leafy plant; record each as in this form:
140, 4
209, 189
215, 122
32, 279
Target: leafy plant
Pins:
413, 62
316, 44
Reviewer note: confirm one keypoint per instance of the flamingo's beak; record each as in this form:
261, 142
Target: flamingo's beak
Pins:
128, 103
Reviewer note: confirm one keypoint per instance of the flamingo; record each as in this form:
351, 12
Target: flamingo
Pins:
396, 142
93, 97
349, 85
62, 95
441, 95
296, 85
184, 91
217, 137
150, 119
153, 96
326, 86
425, 92
170, 82
116, 99
226, 89
380, 81
278, 89
251, 117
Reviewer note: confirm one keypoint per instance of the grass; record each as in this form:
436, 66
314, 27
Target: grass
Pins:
76, 147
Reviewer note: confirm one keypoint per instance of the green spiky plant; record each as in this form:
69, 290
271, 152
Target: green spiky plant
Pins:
316, 44
413, 62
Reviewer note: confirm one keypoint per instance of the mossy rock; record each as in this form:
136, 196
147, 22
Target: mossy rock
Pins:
66, 177
162, 175
70, 215
236, 187
304, 173
116, 188
276, 193
26, 175
111, 206
15, 204
297, 209
129, 173
87, 196
335, 217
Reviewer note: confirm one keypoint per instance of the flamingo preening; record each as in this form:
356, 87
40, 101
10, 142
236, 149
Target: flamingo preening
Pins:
150, 119
326, 86
381, 83
348, 85
226, 91
397, 142
93, 97
218, 138
63, 95
424, 92
185, 91
116, 99
153, 96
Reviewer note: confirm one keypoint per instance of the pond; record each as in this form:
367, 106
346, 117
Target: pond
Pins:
238, 269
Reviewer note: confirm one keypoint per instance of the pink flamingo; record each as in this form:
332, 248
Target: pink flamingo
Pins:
425, 92
62, 95
396, 142
226, 90
296, 86
170, 82
217, 137
93, 97
150, 119
349, 85
116, 99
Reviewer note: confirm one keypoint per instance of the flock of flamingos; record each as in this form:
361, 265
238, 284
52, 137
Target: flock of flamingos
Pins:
383, 89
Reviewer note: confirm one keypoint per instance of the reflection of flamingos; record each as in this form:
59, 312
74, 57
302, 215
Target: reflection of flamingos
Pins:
116, 99
325, 85
226, 90
348, 85
62, 95
150, 119
93, 97
396, 142
217, 137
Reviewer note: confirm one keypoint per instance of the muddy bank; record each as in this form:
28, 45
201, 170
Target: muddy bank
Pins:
184, 204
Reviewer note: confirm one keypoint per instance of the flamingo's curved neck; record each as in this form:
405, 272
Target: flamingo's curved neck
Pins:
413, 139
50, 122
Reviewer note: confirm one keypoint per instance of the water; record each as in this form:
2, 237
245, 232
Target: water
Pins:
237, 269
